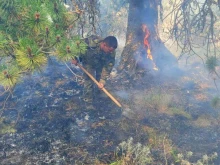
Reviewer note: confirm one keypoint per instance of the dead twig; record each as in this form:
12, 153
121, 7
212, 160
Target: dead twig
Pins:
2, 110
76, 76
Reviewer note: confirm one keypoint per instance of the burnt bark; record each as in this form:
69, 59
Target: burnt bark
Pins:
134, 55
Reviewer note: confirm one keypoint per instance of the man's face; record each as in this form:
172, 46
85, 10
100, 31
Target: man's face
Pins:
106, 48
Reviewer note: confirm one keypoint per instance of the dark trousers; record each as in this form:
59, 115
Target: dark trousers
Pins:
89, 85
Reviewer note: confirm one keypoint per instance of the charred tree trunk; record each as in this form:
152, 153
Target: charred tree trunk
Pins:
134, 56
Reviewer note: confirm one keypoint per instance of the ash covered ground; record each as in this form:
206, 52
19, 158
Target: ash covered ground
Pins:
52, 126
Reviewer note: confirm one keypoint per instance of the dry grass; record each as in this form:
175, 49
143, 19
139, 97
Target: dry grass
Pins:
158, 101
60, 83
205, 121
201, 97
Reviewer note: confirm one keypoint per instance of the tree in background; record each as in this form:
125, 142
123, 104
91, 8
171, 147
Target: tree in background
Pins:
141, 37
192, 25
32, 30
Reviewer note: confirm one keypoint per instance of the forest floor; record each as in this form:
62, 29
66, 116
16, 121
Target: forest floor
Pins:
169, 114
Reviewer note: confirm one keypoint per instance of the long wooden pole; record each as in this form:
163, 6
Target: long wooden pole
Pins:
97, 83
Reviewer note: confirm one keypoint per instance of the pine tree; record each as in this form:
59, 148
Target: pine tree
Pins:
30, 31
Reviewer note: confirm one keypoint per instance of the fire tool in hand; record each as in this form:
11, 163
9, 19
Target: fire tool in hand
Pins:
97, 83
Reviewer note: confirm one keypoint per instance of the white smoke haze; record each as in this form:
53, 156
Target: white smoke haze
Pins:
182, 71
168, 110
182, 88
123, 94
188, 72
114, 22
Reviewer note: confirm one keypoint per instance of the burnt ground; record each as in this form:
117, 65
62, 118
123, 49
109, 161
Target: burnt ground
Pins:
52, 126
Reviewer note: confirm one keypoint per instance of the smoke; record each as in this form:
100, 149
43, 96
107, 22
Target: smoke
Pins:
165, 53
122, 94
113, 18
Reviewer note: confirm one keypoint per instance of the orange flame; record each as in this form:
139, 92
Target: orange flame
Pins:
147, 44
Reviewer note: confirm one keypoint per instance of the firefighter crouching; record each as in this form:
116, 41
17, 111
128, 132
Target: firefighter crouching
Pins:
98, 60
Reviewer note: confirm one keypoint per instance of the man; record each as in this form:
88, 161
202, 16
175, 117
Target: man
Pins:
98, 60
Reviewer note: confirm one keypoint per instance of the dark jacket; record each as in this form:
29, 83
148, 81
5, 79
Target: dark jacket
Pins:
98, 59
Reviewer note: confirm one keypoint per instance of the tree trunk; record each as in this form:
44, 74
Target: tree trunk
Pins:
134, 56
